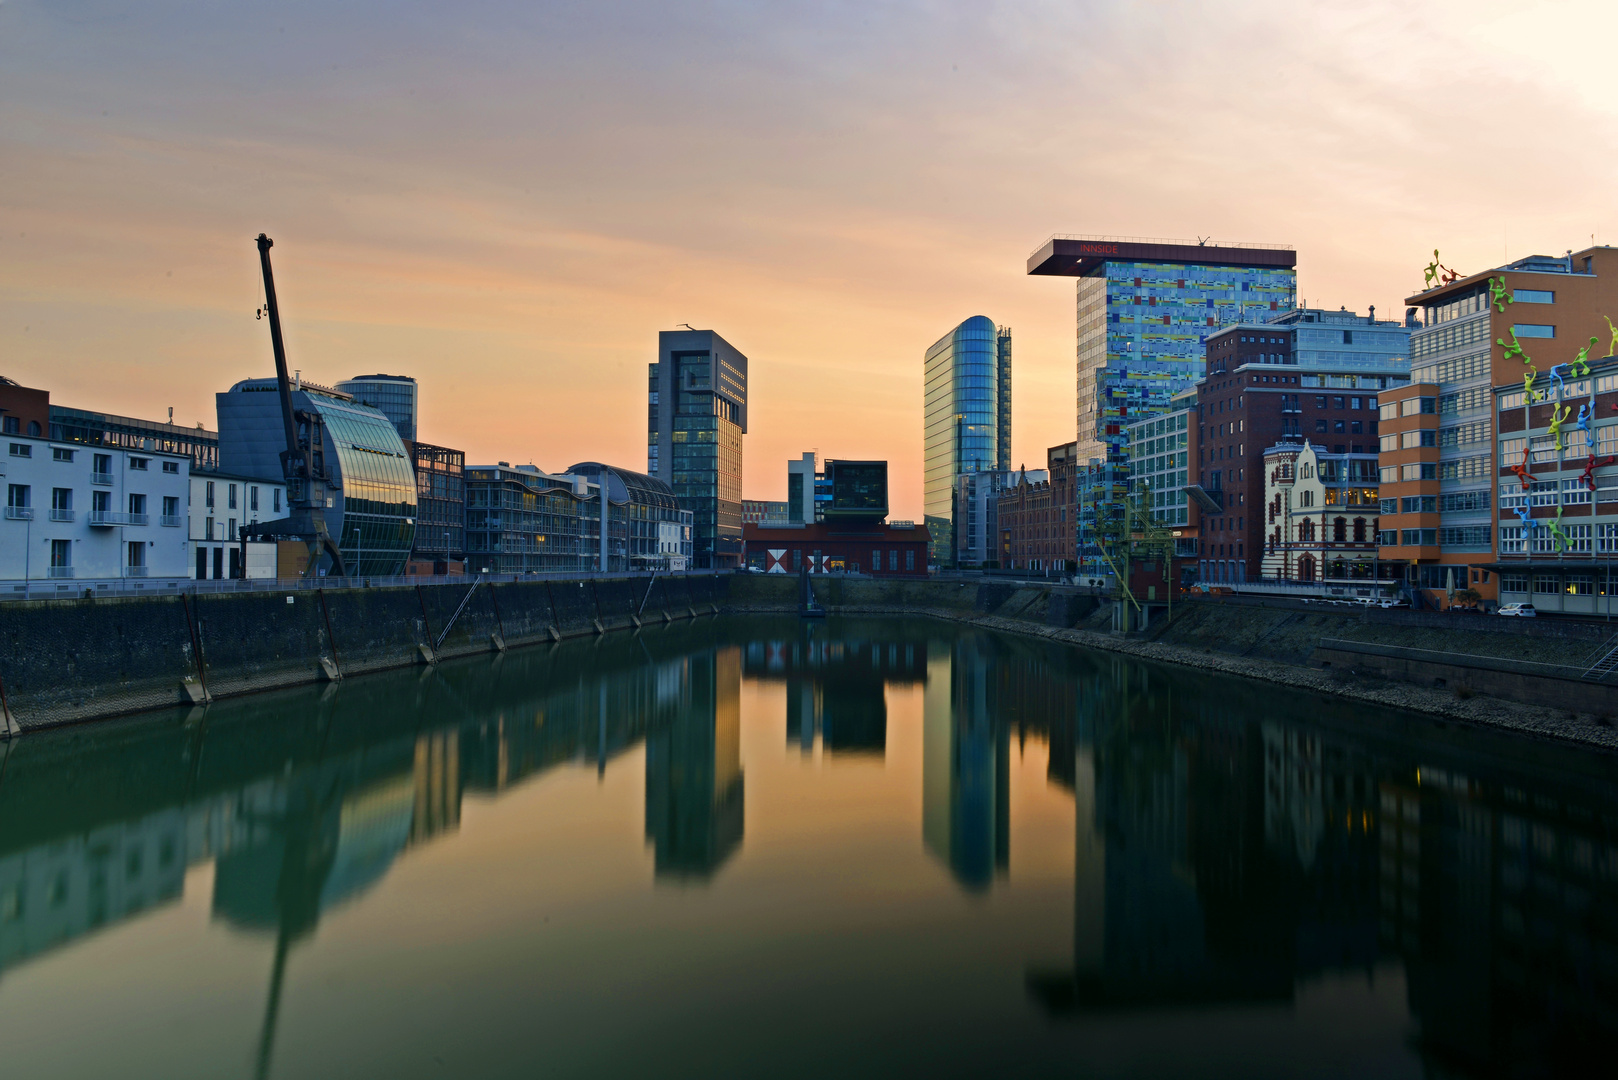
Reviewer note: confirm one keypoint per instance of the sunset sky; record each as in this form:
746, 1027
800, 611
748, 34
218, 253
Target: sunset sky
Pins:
509, 200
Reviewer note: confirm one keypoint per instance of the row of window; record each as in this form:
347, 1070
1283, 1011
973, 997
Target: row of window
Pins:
20, 497
1551, 584
102, 463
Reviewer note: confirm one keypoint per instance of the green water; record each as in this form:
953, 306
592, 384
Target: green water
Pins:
768, 848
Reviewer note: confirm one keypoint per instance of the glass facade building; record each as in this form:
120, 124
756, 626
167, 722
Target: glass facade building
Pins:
522, 521
126, 432
647, 528
696, 415
440, 505
373, 512
967, 417
394, 396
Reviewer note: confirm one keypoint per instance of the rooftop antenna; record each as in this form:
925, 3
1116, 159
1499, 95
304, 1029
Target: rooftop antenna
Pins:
688, 326
1202, 241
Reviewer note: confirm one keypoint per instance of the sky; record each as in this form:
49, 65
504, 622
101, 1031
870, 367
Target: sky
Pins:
509, 200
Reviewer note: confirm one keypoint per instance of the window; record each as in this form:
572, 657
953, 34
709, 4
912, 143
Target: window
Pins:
139, 463
12, 426
277, 500
1320, 427
1418, 537
1388, 537
17, 495
1388, 474
61, 553
1463, 501
1465, 536
61, 453
1354, 402
1339, 402
171, 467
1547, 584
1337, 426
21, 450
1419, 504
1390, 506
893, 559
252, 497
137, 505
1388, 442
1517, 583
207, 529
231, 500
1418, 437
1425, 470
876, 559
910, 558
171, 508
1574, 492
1539, 330
1607, 539
103, 465
207, 498
1390, 411
1320, 401
1418, 406
137, 554
1533, 296
1356, 427
1348, 337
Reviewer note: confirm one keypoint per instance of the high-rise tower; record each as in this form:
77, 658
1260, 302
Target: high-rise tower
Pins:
1145, 310
696, 415
967, 402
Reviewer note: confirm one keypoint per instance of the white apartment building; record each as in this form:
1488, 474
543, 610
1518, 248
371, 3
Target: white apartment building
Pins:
88, 516
218, 506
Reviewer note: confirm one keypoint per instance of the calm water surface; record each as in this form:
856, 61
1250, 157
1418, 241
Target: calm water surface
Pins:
768, 848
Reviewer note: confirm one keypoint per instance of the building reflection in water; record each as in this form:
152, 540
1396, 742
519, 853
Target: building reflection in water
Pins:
1224, 858
302, 816
966, 764
1233, 843
694, 770
837, 679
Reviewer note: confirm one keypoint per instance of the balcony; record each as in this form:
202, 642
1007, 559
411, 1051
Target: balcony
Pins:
107, 518
101, 478
20, 513
134, 571
169, 521
61, 571
138, 519
61, 515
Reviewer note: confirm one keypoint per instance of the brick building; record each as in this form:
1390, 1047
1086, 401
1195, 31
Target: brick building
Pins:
881, 549
1036, 515
1312, 374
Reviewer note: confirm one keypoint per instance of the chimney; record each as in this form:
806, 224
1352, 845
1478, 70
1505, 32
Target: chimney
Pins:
1371, 318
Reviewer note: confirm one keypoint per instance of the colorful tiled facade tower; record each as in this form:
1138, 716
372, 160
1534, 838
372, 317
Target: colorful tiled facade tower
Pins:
1145, 309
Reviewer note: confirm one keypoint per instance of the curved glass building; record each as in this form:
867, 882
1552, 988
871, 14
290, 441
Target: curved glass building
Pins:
967, 419
646, 527
374, 513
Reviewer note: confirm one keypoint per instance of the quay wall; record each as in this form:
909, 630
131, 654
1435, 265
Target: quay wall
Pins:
63, 661
1537, 662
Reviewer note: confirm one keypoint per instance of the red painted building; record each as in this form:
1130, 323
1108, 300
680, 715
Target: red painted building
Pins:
892, 549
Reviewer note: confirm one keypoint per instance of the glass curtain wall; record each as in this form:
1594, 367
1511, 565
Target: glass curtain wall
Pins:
378, 501
963, 413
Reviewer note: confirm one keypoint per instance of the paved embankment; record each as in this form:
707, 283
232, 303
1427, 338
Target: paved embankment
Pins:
63, 661
1520, 674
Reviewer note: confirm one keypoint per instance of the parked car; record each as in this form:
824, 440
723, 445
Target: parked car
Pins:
1392, 602
1522, 611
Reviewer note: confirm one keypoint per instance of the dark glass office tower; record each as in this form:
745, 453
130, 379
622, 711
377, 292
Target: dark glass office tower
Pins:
696, 415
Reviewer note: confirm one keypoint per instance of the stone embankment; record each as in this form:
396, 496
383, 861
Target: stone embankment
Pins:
63, 661
1526, 675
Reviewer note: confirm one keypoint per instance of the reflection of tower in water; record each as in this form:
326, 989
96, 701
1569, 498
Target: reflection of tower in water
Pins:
966, 766
694, 771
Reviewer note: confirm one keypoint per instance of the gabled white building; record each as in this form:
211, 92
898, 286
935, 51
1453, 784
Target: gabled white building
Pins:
1320, 514
83, 515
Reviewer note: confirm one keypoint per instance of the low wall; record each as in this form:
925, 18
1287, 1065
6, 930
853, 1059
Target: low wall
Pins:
1552, 685
63, 661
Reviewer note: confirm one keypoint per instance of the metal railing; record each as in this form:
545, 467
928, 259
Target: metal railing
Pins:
171, 521
20, 513
1209, 242
61, 515
61, 571
104, 478
138, 519
134, 571
107, 518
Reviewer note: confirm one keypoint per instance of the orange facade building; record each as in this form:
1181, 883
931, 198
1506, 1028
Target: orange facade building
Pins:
1448, 490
